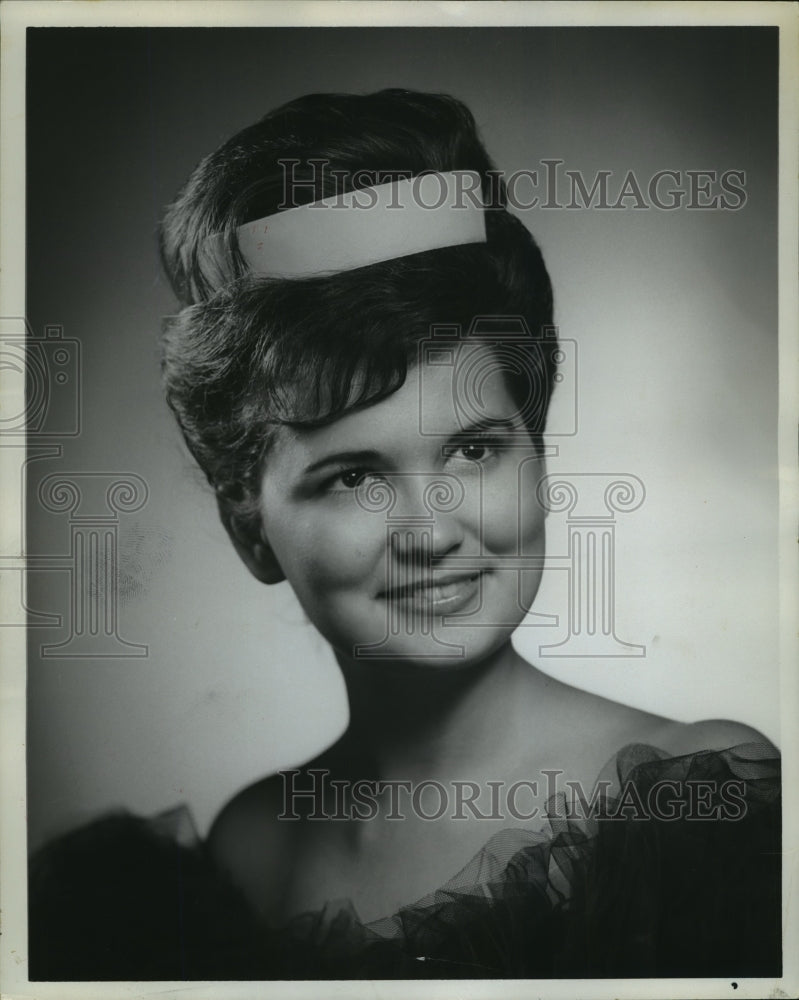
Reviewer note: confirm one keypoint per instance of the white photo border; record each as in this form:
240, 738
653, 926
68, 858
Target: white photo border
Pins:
16, 16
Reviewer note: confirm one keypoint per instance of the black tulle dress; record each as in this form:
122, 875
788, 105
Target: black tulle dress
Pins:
676, 872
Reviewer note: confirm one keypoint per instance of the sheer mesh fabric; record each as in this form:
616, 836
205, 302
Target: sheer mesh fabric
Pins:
627, 892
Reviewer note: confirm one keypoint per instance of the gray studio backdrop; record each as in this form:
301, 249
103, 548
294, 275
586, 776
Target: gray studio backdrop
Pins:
160, 672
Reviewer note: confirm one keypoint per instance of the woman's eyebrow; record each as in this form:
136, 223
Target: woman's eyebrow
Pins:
370, 456
340, 458
486, 424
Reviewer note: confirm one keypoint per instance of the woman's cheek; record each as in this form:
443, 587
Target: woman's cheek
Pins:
335, 550
512, 519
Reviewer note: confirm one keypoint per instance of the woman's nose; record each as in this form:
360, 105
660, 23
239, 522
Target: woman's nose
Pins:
428, 517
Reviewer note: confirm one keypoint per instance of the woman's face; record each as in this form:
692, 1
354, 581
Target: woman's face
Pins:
400, 525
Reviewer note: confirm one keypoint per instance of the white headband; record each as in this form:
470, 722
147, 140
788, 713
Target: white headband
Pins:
358, 228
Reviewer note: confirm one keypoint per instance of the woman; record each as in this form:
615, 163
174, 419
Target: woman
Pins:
362, 367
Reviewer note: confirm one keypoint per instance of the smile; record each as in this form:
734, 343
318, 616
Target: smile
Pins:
442, 594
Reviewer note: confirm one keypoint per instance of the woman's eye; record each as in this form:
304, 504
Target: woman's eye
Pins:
352, 478
348, 479
474, 451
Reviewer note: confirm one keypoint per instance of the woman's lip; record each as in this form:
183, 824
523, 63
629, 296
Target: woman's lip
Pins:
448, 592
429, 583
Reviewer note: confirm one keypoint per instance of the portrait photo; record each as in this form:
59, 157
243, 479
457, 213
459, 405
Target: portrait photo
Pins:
398, 459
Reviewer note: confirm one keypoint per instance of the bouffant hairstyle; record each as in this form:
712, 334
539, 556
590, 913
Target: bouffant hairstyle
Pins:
253, 352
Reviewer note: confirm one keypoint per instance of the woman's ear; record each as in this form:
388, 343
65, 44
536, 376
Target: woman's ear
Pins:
253, 549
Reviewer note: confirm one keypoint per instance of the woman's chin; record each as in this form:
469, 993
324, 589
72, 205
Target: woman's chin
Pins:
450, 648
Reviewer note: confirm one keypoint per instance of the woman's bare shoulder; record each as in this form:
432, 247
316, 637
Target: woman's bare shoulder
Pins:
600, 727
254, 839
709, 734
249, 842
678, 738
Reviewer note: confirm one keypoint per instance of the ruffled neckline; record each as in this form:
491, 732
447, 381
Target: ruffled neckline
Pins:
587, 896
499, 860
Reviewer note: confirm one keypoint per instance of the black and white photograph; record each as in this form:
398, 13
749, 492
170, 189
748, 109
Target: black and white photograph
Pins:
399, 504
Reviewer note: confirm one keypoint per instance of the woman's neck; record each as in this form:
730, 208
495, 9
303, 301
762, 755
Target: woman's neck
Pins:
410, 722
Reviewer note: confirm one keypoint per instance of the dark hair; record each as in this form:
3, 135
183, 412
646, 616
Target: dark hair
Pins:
259, 352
